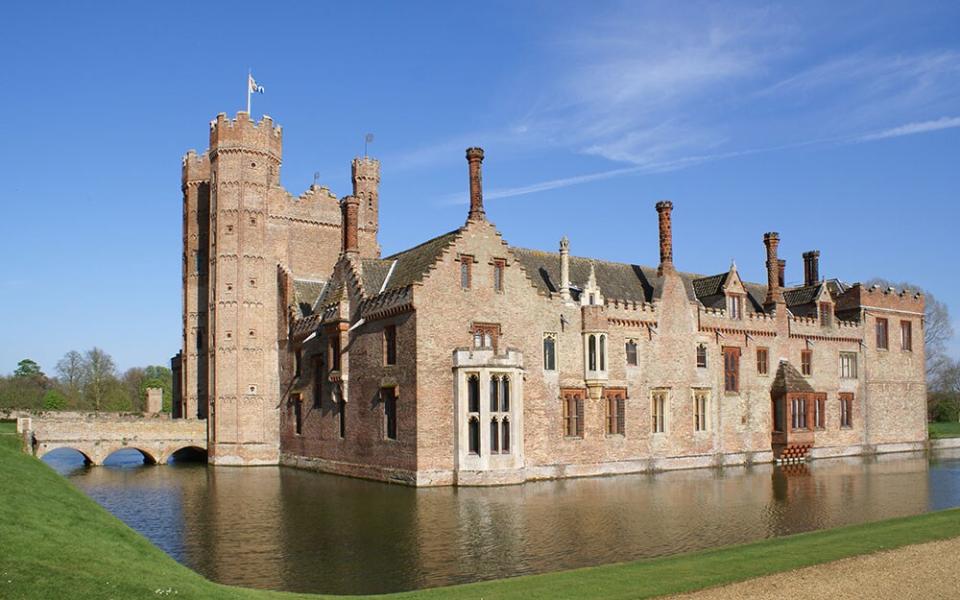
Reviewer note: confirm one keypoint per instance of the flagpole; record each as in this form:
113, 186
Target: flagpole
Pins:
249, 75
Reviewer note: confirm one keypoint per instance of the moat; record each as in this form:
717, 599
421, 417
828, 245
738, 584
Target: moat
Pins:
286, 529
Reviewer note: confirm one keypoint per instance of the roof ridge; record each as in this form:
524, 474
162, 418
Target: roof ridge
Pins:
421, 244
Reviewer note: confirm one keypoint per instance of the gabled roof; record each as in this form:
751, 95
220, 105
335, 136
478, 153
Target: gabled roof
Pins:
633, 283
804, 294
616, 280
414, 263
375, 270
305, 294
788, 379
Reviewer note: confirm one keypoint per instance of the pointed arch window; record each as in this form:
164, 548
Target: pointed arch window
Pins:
494, 393
494, 437
505, 436
473, 393
592, 351
505, 393
630, 349
549, 352
473, 433
603, 352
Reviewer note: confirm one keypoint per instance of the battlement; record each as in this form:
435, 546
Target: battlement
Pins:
195, 167
241, 132
366, 168
876, 297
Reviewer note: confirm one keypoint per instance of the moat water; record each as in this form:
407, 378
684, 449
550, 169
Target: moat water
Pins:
284, 529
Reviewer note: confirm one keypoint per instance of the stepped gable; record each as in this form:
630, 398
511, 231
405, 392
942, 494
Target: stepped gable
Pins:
305, 294
789, 379
413, 264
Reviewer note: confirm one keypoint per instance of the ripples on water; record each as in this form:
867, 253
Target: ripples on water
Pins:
280, 528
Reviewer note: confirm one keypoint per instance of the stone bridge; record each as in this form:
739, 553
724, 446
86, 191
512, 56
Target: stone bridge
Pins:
98, 435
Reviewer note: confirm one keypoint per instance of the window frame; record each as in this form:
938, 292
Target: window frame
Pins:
550, 365
466, 271
806, 362
658, 410
389, 397
615, 409
883, 333
701, 356
846, 409
631, 352
572, 405
906, 335
731, 369
763, 366
390, 345
701, 410
499, 269
848, 365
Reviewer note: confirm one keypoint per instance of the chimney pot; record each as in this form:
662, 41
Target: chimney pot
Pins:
664, 210
771, 240
811, 267
474, 160
349, 207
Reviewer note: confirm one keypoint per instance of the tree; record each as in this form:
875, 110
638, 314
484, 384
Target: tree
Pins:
54, 400
70, 370
99, 374
937, 329
28, 368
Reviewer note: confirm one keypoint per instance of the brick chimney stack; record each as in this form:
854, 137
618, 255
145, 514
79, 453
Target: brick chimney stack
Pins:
474, 159
811, 267
782, 268
565, 268
774, 291
664, 208
350, 206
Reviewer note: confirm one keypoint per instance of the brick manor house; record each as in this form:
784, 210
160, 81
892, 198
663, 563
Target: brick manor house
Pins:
467, 361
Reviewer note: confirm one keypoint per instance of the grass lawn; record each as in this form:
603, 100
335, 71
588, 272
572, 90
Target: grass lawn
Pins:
944, 430
57, 543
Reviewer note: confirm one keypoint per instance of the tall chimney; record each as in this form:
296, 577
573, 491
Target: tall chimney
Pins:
782, 271
774, 292
664, 209
474, 158
565, 268
349, 207
811, 267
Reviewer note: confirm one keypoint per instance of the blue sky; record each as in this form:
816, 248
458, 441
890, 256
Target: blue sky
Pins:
836, 124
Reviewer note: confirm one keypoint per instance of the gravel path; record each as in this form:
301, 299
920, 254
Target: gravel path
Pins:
926, 571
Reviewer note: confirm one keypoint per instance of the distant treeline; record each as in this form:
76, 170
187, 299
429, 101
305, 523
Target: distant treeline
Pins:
85, 381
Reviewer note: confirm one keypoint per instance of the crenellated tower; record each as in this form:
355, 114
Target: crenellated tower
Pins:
242, 335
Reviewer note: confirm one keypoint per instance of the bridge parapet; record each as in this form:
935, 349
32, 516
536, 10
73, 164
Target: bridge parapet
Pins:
98, 435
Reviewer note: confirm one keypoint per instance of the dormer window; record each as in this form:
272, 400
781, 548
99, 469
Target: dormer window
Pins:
826, 314
735, 306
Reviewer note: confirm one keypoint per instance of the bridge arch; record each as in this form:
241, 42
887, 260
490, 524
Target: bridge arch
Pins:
189, 453
149, 457
88, 459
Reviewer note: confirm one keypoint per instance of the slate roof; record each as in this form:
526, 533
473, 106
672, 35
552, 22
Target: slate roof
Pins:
788, 379
414, 263
633, 283
804, 294
374, 272
305, 294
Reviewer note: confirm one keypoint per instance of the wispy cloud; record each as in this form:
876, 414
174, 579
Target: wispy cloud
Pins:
913, 128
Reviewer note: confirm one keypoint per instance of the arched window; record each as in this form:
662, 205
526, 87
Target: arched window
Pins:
474, 434
701, 356
505, 394
494, 437
603, 353
473, 394
494, 393
592, 351
549, 352
505, 436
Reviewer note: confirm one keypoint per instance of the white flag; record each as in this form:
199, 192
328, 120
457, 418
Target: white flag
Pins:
254, 88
